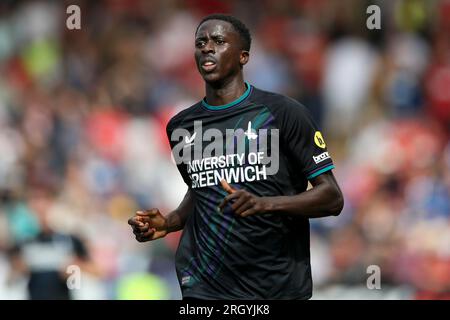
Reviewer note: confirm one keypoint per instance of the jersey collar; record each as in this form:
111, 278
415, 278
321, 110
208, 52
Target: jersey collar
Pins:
232, 103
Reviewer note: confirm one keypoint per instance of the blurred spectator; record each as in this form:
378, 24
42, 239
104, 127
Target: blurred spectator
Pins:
45, 258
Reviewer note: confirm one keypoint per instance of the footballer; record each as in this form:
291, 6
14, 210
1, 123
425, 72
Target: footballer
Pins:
246, 156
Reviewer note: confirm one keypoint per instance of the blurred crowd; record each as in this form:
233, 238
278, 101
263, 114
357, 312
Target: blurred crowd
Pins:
83, 143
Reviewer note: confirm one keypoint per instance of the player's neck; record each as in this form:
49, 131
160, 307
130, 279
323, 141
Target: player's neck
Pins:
225, 92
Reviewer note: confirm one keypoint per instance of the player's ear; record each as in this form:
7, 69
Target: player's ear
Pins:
243, 59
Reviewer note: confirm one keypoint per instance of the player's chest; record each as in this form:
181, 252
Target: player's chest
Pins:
244, 131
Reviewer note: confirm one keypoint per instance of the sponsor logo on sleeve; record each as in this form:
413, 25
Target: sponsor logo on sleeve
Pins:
321, 157
318, 139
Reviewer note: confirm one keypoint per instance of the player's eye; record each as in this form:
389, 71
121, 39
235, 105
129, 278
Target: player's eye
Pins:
199, 44
220, 41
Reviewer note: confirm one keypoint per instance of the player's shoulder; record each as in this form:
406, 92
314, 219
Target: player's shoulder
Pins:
279, 103
179, 117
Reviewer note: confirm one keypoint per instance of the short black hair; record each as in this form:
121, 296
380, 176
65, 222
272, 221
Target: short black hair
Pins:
238, 25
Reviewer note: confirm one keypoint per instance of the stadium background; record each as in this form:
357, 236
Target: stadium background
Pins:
83, 113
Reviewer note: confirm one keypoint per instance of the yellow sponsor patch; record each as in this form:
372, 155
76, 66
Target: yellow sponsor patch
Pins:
318, 139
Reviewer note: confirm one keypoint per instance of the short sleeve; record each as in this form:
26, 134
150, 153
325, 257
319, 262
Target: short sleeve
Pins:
180, 166
304, 140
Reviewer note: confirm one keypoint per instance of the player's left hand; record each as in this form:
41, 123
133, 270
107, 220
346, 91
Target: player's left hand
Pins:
245, 203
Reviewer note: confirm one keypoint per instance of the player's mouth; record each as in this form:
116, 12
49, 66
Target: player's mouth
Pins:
208, 65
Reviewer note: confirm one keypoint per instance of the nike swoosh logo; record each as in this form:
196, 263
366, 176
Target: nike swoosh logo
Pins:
189, 140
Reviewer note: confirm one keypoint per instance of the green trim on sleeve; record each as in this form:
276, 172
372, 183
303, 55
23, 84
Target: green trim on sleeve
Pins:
321, 171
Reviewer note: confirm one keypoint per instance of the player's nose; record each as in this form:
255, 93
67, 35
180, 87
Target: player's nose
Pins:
208, 47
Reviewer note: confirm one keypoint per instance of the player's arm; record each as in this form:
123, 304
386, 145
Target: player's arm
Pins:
324, 199
150, 224
177, 218
307, 150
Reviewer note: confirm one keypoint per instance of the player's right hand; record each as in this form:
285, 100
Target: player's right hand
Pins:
148, 225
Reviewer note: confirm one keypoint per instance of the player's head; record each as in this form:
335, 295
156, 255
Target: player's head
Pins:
222, 45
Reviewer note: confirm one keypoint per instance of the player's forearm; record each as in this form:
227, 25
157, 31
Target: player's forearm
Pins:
321, 201
175, 221
177, 218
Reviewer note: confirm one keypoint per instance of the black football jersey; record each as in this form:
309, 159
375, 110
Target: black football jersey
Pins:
269, 145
